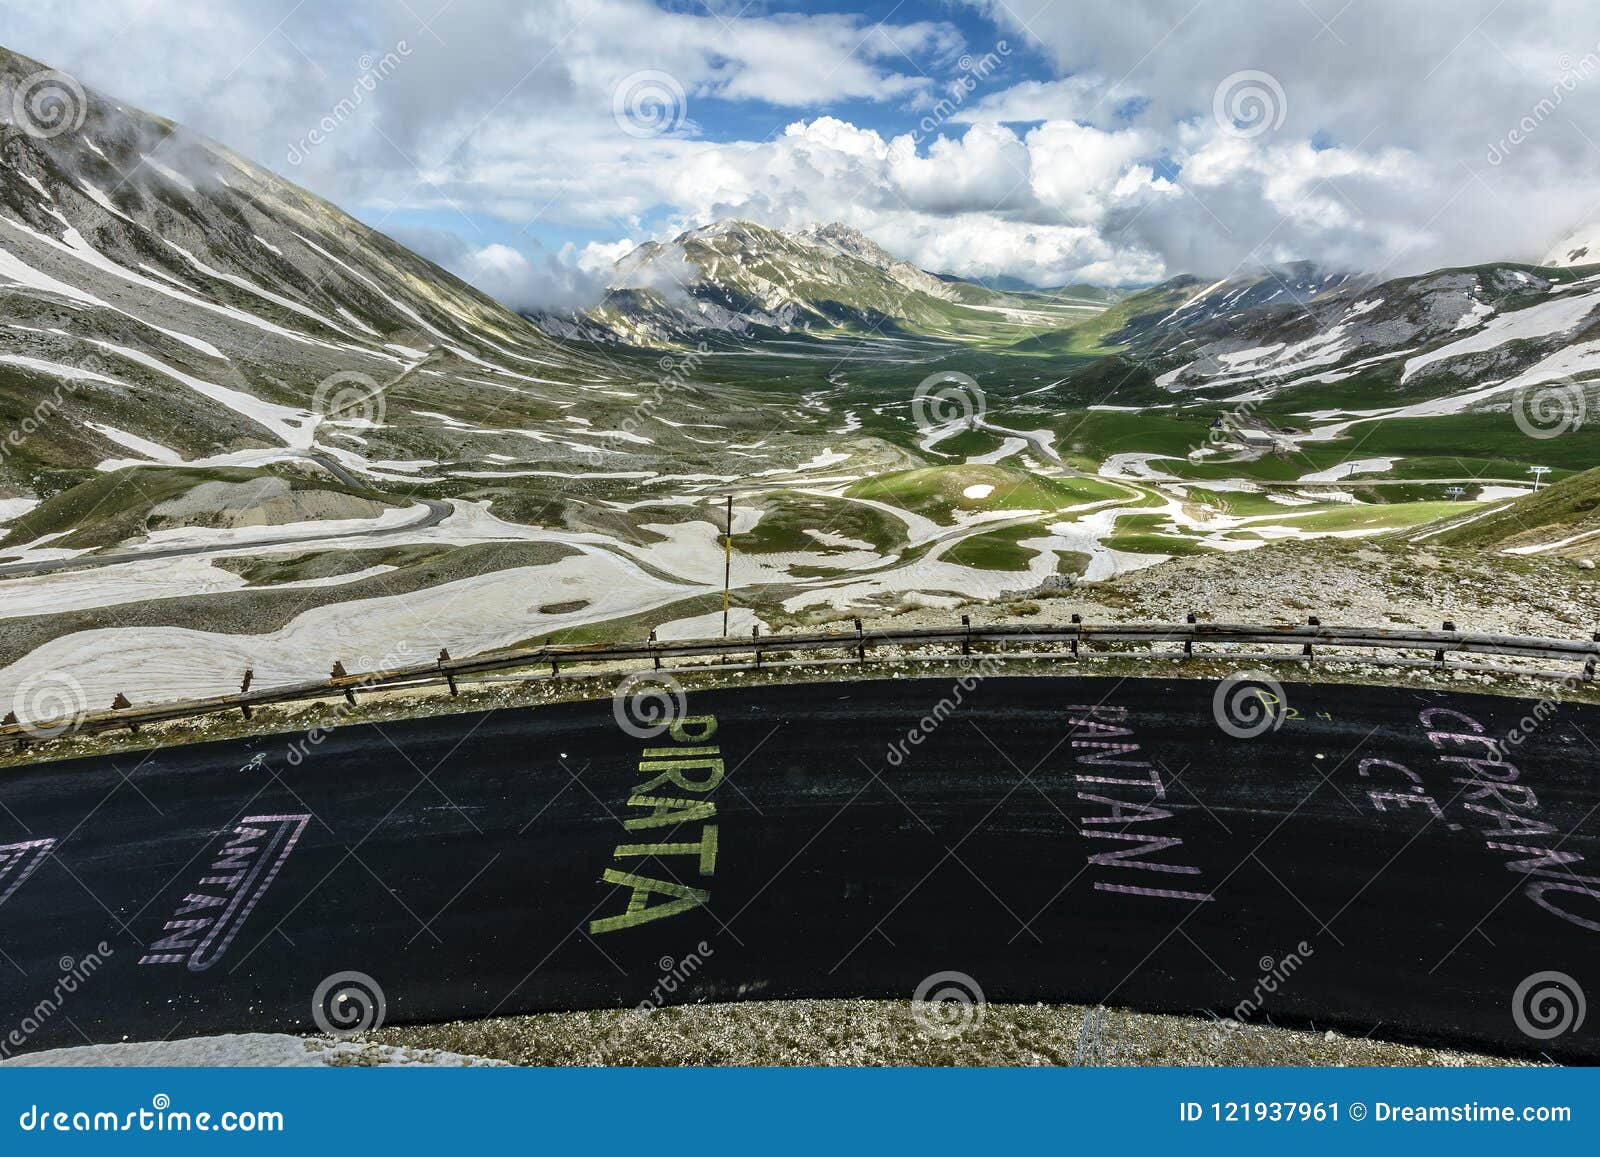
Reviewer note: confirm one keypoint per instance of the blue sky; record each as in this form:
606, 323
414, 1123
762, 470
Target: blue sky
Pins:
714, 117
1115, 143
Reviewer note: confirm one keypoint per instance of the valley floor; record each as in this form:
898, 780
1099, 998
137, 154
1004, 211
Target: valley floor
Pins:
1342, 582
913, 547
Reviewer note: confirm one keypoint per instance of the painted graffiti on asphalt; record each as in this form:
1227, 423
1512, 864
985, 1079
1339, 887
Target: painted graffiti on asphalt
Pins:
18, 862
675, 782
1113, 771
1505, 812
207, 919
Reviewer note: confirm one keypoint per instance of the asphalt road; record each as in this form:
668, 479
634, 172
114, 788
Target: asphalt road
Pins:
1047, 838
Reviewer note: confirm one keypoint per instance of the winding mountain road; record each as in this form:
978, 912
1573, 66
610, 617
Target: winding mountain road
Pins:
1356, 864
436, 512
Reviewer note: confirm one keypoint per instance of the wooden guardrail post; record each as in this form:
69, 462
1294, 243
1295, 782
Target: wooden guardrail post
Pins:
339, 672
1188, 644
244, 689
11, 721
121, 703
1582, 655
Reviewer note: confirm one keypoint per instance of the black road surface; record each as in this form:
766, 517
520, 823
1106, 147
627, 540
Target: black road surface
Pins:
1365, 863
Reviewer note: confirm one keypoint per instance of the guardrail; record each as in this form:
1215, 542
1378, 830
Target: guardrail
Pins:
1078, 639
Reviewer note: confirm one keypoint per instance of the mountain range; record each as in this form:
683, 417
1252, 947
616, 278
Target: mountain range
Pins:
1382, 341
739, 280
229, 411
172, 262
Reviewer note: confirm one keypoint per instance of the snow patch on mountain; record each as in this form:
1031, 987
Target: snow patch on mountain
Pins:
1537, 321
1581, 248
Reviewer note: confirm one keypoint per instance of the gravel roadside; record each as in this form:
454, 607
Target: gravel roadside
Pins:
884, 1032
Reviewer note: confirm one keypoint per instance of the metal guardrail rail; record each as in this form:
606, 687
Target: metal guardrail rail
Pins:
1077, 638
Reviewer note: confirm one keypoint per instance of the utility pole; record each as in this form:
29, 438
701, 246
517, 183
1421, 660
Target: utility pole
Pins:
727, 567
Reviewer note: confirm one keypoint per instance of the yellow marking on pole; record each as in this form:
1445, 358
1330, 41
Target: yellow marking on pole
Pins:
727, 567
